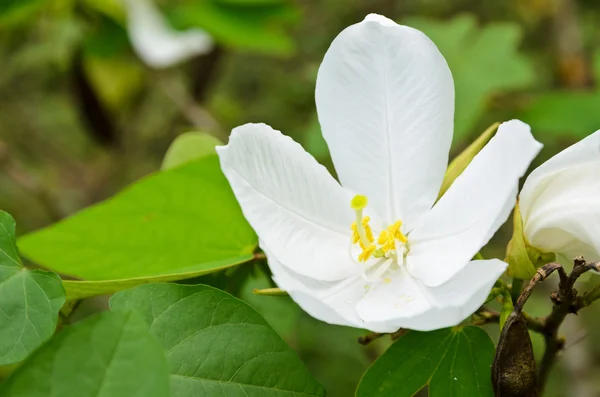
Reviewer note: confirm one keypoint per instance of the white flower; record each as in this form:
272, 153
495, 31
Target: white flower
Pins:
157, 43
560, 202
385, 99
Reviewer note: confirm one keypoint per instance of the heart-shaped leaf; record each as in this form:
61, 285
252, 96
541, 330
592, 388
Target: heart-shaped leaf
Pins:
29, 300
176, 224
107, 355
217, 345
452, 361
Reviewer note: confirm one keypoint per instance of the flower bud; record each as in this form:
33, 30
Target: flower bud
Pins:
521, 258
460, 162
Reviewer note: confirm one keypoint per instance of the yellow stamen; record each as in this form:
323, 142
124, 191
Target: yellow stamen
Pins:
362, 234
366, 253
394, 230
361, 228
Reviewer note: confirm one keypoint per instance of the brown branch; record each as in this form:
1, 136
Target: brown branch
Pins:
370, 337
565, 301
259, 256
492, 317
541, 274
486, 317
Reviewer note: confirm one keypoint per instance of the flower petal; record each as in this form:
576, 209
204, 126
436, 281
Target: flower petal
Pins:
331, 302
406, 303
467, 290
559, 202
158, 44
395, 302
385, 99
473, 208
292, 202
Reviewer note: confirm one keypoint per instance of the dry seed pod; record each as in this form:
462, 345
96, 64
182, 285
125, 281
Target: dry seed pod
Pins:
513, 370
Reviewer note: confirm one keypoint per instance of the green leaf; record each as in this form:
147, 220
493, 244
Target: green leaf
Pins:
255, 27
172, 225
189, 146
29, 300
484, 62
107, 355
452, 361
216, 344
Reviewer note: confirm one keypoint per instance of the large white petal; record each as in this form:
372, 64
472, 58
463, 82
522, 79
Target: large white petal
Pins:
295, 206
333, 302
406, 303
158, 44
385, 99
468, 289
400, 298
474, 207
560, 202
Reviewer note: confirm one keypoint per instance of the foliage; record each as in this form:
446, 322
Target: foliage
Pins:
452, 361
252, 25
484, 63
188, 147
181, 223
225, 348
115, 351
176, 224
29, 300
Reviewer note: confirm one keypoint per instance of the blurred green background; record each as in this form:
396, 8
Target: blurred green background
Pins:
81, 116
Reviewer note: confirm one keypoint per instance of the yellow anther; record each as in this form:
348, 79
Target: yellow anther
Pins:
394, 230
355, 235
359, 202
361, 231
383, 237
366, 253
368, 230
362, 234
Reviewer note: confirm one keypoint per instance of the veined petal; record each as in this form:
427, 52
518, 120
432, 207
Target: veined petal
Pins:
401, 298
158, 44
385, 99
295, 206
559, 202
406, 303
333, 302
475, 206
467, 290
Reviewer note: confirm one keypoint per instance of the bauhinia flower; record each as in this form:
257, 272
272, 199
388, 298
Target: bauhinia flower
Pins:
158, 44
375, 252
560, 203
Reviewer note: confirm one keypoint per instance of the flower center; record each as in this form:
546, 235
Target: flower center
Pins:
378, 256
